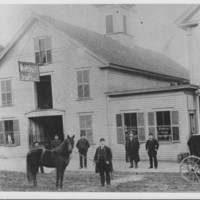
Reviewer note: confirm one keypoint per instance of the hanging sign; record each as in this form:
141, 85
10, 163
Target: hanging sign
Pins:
29, 71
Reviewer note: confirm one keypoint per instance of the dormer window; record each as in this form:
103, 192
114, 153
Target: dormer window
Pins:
43, 54
109, 24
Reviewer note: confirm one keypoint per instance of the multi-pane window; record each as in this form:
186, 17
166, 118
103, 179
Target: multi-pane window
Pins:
164, 125
9, 133
83, 84
130, 121
85, 122
124, 24
6, 93
109, 24
43, 54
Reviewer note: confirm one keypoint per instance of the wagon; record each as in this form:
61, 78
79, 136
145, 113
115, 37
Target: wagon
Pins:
190, 166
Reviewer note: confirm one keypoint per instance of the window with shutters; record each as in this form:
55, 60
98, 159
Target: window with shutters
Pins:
85, 122
9, 133
6, 93
164, 125
109, 24
83, 84
130, 121
43, 50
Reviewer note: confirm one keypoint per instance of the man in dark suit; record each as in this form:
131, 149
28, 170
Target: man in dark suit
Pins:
83, 146
133, 149
152, 148
103, 160
56, 142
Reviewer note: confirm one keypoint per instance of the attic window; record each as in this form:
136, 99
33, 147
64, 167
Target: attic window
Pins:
43, 54
109, 24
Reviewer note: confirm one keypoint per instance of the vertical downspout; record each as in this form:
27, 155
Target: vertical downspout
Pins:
107, 110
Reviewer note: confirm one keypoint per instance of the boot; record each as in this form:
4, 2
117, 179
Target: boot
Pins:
131, 166
136, 165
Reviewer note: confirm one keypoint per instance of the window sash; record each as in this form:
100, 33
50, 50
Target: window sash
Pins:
109, 24
9, 127
85, 124
6, 93
83, 85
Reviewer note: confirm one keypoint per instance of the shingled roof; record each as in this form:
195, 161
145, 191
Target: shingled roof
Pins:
136, 58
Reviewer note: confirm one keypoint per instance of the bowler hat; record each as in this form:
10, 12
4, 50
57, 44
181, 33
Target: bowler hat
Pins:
102, 139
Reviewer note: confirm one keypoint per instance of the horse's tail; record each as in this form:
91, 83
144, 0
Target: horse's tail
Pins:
28, 168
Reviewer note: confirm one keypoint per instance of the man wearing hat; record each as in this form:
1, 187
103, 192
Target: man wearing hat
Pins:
103, 160
56, 142
133, 149
83, 145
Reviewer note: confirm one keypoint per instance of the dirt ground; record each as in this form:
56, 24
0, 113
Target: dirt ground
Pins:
84, 181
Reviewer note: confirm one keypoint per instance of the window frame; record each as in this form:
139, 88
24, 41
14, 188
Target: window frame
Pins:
6, 93
15, 132
109, 29
155, 126
39, 52
85, 129
83, 84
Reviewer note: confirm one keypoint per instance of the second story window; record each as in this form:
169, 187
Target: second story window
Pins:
83, 84
109, 24
43, 54
6, 93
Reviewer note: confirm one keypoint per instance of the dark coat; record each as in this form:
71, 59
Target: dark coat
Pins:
82, 145
107, 158
152, 146
55, 143
133, 149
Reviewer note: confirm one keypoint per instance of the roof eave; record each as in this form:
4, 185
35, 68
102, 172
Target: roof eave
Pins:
153, 90
147, 73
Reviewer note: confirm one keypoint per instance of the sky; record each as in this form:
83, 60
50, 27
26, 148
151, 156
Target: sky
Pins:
152, 25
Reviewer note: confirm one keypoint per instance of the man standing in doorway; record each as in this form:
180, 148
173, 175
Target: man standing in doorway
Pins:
56, 142
152, 148
103, 160
83, 146
133, 149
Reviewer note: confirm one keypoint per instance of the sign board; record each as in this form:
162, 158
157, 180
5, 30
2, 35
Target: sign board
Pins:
29, 71
164, 133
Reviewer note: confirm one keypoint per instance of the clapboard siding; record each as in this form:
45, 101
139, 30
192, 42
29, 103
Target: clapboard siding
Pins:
123, 81
147, 103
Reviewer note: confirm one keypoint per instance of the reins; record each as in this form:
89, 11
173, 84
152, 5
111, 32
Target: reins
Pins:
90, 159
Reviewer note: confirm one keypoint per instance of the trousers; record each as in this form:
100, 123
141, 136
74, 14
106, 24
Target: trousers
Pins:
153, 158
104, 173
83, 158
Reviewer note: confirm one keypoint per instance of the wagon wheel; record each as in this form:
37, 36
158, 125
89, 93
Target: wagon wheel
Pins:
190, 168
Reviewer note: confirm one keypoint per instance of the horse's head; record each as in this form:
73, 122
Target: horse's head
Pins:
70, 143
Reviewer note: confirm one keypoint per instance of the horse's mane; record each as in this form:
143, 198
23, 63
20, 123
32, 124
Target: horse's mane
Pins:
61, 147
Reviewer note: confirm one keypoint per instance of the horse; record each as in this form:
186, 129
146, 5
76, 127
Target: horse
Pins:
58, 158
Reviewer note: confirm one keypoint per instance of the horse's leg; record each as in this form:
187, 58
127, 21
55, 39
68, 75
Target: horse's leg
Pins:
57, 177
34, 180
61, 177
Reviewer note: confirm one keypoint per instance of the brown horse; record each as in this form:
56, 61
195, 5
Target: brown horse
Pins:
58, 158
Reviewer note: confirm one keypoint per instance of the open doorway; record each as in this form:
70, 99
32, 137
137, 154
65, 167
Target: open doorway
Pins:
44, 93
43, 130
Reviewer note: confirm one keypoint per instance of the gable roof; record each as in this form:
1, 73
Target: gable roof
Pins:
136, 58
183, 21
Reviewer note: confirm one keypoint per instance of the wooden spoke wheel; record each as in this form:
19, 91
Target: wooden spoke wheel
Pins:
190, 169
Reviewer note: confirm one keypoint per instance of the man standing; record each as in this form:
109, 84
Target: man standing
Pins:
56, 142
83, 146
152, 148
133, 149
103, 160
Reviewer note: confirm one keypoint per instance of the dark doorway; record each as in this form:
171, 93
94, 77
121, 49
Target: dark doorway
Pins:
44, 93
43, 130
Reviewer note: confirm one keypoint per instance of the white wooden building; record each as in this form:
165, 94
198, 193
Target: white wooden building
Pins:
91, 83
